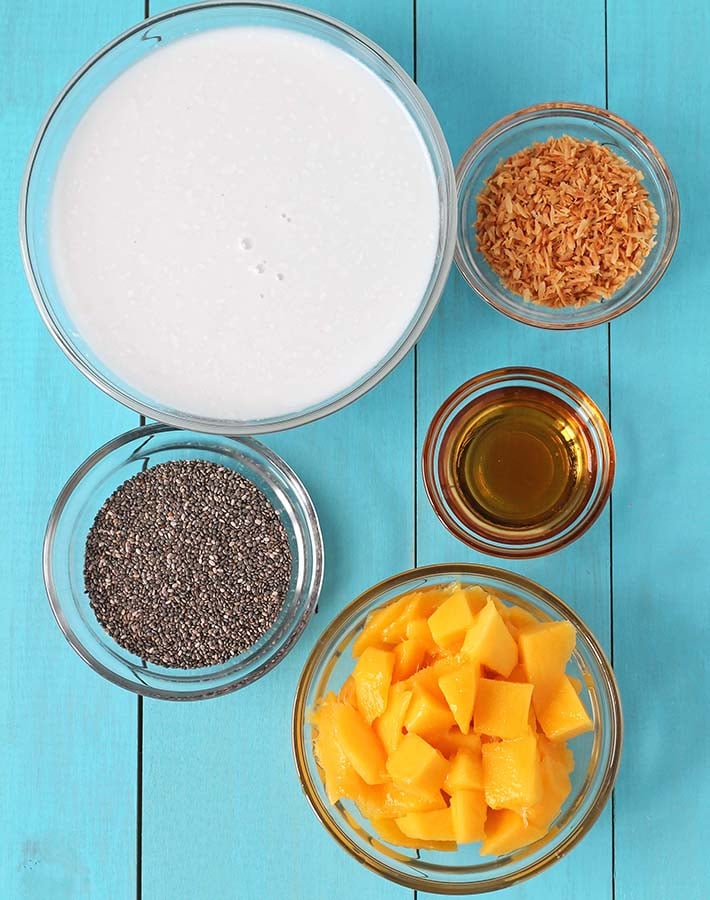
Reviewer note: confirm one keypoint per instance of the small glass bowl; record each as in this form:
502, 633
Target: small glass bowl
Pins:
106, 65
597, 754
498, 540
74, 512
535, 124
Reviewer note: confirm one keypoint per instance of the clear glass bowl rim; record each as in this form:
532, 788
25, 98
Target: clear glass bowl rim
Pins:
341, 622
592, 113
490, 380
349, 395
301, 498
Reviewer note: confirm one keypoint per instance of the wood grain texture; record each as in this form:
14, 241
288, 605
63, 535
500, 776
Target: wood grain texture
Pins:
484, 67
659, 78
223, 813
67, 792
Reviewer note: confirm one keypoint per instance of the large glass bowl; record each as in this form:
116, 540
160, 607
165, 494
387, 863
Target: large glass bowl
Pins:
537, 124
85, 493
597, 754
91, 80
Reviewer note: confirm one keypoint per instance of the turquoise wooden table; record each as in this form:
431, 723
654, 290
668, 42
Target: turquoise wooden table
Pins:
107, 797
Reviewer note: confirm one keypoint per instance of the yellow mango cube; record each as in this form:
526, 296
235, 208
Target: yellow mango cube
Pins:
466, 772
468, 811
545, 650
453, 740
390, 832
459, 688
378, 621
506, 831
502, 708
420, 605
390, 725
347, 691
511, 773
389, 801
437, 825
427, 714
408, 657
489, 642
359, 743
556, 786
563, 716
341, 779
448, 624
372, 676
418, 629
415, 762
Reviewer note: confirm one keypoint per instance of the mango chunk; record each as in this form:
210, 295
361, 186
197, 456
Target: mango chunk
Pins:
389, 801
502, 708
545, 650
556, 786
466, 772
359, 743
390, 725
450, 622
453, 740
506, 831
427, 714
489, 642
520, 618
408, 657
511, 773
390, 832
420, 605
459, 688
418, 629
564, 716
347, 691
437, 825
372, 676
468, 811
341, 779
377, 623
417, 763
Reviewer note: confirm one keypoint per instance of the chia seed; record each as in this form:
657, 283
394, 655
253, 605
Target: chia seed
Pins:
187, 564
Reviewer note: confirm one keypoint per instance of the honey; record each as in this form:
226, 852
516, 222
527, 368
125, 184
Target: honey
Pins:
517, 459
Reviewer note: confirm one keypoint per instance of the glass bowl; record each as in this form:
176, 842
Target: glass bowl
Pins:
74, 512
538, 539
91, 80
597, 754
537, 123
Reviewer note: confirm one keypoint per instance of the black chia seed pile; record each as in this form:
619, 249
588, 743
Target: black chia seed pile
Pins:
187, 564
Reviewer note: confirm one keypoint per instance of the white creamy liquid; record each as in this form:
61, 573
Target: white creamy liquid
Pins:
244, 223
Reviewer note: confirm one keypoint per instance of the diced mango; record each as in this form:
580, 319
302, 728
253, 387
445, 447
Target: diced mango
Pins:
449, 623
390, 725
390, 832
437, 825
415, 762
511, 773
564, 716
388, 801
502, 708
420, 605
520, 618
427, 714
418, 629
545, 650
408, 657
507, 831
459, 689
376, 624
555, 789
341, 779
359, 743
468, 811
466, 772
489, 642
373, 676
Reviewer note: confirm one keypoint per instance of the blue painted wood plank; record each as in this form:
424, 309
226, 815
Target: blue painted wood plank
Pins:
223, 814
659, 78
67, 790
477, 62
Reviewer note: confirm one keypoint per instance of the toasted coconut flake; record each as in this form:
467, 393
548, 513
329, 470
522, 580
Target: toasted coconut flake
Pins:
565, 222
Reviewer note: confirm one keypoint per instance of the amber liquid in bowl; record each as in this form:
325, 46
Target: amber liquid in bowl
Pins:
517, 459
